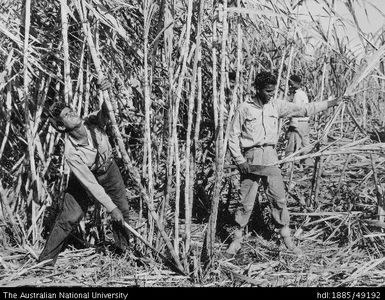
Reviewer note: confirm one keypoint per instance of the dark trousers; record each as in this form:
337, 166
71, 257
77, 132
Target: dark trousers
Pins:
75, 205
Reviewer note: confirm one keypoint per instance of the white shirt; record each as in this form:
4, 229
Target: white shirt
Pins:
300, 98
255, 123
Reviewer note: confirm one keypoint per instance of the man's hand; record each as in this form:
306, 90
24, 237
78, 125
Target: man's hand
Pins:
116, 216
244, 168
104, 84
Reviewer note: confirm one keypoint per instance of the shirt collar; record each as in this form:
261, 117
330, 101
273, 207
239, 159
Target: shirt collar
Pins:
255, 101
76, 144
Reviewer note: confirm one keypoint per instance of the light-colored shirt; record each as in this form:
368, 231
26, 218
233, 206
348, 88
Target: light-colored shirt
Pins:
299, 98
255, 124
82, 158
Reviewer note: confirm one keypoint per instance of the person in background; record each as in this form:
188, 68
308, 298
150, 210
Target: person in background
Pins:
252, 140
298, 131
94, 175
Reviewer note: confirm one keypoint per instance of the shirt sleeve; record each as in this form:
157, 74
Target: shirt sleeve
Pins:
89, 182
288, 109
234, 134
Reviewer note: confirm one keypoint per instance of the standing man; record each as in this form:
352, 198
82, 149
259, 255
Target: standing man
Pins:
94, 175
298, 131
252, 141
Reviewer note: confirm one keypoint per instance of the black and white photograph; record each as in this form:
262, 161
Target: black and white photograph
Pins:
192, 144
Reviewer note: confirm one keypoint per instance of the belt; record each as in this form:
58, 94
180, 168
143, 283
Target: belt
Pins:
259, 146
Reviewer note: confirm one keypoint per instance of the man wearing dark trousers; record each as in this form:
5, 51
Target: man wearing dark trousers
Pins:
94, 175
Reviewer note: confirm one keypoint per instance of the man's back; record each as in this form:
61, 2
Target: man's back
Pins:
299, 98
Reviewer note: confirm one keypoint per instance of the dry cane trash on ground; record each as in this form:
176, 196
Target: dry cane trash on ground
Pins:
170, 107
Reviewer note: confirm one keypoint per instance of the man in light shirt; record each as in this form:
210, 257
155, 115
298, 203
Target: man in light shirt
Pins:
298, 131
252, 141
94, 175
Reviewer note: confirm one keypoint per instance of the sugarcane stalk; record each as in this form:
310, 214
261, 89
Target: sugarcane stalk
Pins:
189, 183
379, 193
88, 88
318, 166
8, 104
355, 121
288, 70
26, 76
79, 89
235, 93
177, 195
67, 70
214, 54
148, 12
184, 54
197, 143
199, 93
168, 45
148, 244
211, 230
280, 73
341, 177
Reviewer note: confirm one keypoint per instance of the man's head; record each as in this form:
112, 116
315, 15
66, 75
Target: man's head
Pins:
265, 84
294, 83
63, 118
231, 76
